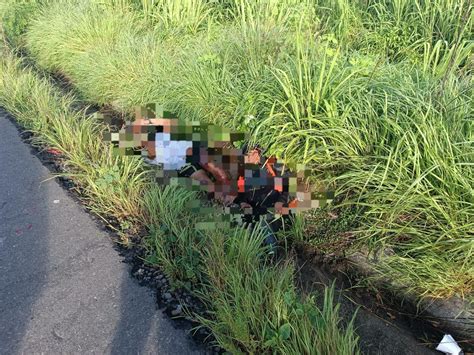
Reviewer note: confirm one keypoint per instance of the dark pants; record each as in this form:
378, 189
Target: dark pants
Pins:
262, 200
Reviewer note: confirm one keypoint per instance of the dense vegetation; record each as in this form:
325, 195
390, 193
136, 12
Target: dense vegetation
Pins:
376, 97
253, 306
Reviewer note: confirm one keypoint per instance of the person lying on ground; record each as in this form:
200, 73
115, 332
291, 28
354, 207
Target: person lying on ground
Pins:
232, 176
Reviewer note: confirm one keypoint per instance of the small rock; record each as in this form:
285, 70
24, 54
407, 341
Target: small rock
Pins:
202, 332
177, 311
167, 296
58, 334
140, 272
56, 201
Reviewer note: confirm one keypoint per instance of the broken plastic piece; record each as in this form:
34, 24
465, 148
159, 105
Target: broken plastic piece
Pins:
449, 346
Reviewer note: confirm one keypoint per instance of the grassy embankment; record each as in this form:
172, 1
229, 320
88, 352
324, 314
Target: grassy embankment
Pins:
375, 97
254, 306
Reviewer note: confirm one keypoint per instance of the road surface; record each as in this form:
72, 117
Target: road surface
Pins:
63, 288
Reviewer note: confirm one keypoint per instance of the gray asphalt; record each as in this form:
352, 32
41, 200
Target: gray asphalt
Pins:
63, 288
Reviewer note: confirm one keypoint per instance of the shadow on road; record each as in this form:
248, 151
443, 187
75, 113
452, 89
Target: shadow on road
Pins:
134, 326
24, 223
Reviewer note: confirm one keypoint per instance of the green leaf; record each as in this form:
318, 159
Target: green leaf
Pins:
299, 312
269, 333
313, 318
285, 331
288, 297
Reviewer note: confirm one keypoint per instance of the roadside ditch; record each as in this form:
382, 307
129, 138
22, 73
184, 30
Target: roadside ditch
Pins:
387, 320
383, 324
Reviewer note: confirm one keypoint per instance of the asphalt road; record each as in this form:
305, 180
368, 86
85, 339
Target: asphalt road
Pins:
63, 288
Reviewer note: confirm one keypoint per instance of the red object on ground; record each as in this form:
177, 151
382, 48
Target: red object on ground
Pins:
54, 151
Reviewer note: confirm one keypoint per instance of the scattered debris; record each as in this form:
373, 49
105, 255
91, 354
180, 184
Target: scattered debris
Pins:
54, 151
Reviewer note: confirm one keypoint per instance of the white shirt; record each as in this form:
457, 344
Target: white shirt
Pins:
170, 153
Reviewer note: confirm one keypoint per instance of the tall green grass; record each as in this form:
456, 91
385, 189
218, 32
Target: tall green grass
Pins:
252, 305
375, 97
119, 187
241, 291
99, 175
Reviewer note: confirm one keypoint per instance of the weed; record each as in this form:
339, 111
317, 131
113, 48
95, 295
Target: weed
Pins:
255, 307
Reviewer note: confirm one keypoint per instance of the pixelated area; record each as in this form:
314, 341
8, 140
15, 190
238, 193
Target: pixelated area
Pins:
205, 157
